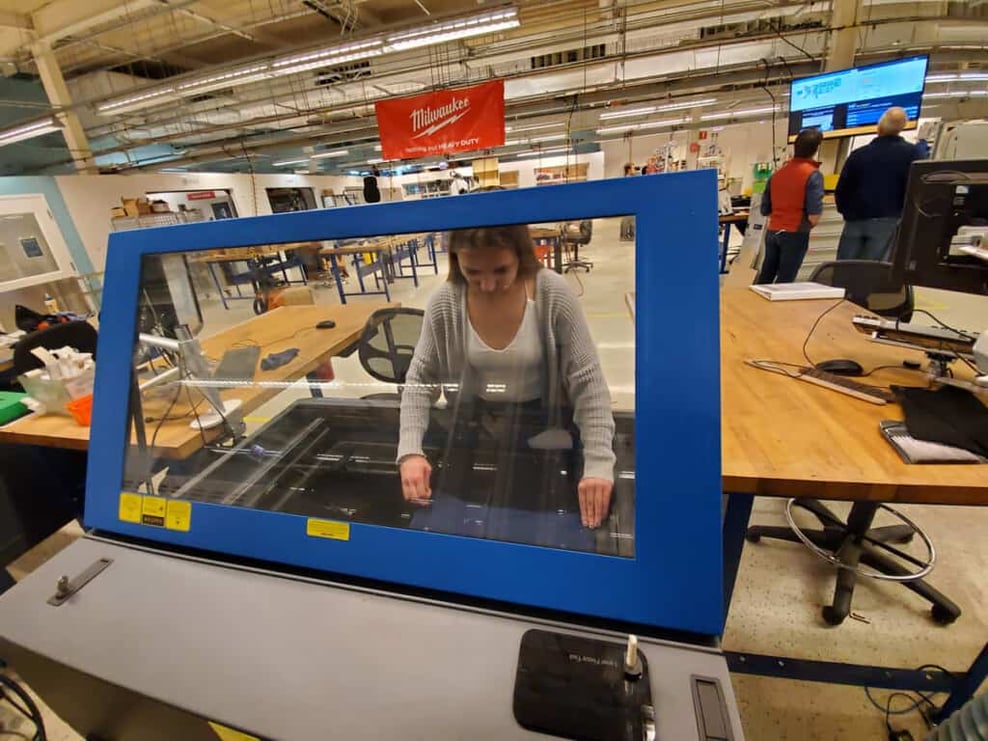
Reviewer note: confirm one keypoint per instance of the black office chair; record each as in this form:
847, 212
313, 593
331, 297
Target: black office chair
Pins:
387, 344
869, 284
81, 335
576, 233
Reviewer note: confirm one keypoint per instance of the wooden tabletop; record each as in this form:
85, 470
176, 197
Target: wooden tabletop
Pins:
785, 437
382, 244
734, 218
277, 330
240, 254
543, 233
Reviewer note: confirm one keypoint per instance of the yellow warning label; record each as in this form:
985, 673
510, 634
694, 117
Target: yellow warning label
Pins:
327, 529
153, 511
172, 514
229, 734
130, 508
179, 515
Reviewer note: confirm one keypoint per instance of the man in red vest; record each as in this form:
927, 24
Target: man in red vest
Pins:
793, 202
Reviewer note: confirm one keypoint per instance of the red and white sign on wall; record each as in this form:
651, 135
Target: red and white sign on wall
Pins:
442, 122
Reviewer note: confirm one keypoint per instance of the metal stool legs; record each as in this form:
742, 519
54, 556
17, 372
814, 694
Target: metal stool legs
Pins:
856, 543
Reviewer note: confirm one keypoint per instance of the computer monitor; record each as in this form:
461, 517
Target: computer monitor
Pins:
941, 197
849, 102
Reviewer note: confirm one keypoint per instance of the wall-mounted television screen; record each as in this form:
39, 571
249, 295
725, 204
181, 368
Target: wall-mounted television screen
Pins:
850, 101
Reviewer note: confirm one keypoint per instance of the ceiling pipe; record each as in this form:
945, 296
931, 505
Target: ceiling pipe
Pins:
272, 98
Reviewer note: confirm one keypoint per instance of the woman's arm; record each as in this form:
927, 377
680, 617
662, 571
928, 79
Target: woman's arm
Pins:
421, 389
586, 387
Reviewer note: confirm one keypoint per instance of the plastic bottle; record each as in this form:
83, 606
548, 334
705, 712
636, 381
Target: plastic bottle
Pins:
51, 305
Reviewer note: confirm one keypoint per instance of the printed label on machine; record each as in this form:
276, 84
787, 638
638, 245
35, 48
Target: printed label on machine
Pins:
327, 529
155, 511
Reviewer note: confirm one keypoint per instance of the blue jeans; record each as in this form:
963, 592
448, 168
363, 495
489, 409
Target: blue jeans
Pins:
867, 239
784, 253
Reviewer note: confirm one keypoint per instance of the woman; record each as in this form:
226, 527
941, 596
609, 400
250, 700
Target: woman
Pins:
506, 330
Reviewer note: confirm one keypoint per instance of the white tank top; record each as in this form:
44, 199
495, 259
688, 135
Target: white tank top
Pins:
513, 374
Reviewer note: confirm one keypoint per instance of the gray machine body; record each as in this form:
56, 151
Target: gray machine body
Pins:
156, 644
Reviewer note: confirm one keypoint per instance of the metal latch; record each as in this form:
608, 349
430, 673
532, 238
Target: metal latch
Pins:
66, 587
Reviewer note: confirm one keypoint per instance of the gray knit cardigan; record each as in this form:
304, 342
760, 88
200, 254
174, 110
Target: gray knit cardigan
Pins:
571, 373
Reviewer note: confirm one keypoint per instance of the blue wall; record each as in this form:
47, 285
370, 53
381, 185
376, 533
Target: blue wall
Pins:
25, 185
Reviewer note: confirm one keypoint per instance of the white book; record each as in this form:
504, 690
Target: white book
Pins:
796, 291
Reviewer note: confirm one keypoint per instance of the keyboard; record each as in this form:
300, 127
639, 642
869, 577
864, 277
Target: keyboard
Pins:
845, 385
841, 384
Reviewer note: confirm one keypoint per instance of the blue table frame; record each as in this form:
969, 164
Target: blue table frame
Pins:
727, 222
255, 269
387, 265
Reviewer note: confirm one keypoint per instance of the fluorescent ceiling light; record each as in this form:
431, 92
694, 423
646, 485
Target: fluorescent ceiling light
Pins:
535, 140
738, 114
224, 79
377, 147
334, 153
645, 125
322, 54
540, 152
286, 163
535, 127
680, 106
375, 161
438, 33
957, 94
959, 77
29, 131
290, 64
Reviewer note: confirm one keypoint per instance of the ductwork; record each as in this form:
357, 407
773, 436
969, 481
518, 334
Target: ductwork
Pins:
673, 53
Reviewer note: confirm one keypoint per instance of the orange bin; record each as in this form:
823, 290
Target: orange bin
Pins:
81, 410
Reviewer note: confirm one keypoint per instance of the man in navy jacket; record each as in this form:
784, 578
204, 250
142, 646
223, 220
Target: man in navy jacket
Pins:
872, 189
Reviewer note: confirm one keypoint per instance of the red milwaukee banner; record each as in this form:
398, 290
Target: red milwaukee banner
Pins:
442, 122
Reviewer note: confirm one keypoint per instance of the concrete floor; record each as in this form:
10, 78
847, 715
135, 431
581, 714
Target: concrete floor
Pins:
781, 587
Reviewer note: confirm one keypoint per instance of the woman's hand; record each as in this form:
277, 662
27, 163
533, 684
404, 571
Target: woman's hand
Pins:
595, 500
415, 475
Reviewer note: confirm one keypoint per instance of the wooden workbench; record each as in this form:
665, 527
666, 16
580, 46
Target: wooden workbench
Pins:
277, 330
784, 437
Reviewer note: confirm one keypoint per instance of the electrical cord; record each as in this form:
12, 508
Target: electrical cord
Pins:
798, 48
14, 703
580, 283
33, 714
813, 329
161, 420
917, 702
764, 86
959, 332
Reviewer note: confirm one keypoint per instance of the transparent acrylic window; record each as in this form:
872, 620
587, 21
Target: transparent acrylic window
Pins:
244, 396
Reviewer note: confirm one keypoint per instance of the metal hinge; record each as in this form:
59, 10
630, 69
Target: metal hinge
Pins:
66, 587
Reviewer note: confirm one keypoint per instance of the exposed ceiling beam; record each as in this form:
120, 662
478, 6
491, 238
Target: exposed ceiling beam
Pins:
173, 49
350, 14
62, 18
17, 21
252, 35
363, 127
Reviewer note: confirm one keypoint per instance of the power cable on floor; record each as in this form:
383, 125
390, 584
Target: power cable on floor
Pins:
26, 706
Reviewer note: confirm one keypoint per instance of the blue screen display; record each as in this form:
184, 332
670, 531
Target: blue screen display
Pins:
856, 97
